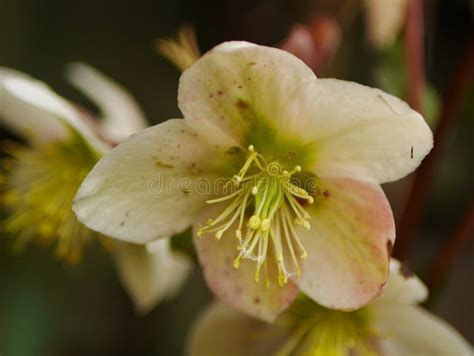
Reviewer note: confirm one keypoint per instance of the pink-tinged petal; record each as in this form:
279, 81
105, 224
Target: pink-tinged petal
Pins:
349, 244
236, 287
240, 87
221, 330
315, 43
357, 131
155, 183
300, 42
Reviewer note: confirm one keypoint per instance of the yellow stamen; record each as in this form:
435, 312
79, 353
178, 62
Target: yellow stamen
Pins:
266, 189
183, 50
37, 191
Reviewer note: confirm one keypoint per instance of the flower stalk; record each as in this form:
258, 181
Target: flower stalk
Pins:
455, 93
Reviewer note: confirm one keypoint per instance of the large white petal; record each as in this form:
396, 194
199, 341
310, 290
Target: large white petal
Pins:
121, 115
150, 277
241, 87
357, 131
33, 110
349, 244
220, 330
411, 330
24, 124
154, 184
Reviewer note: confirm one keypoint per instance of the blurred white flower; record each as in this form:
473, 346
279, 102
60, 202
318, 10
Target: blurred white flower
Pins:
384, 18
41, 176
392, 325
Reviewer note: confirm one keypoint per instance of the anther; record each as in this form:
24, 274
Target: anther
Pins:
237, 179
219, 234
282, 279
306, 225
256, 277
279, 256
265, 225
254, 222
251, 148
254, 190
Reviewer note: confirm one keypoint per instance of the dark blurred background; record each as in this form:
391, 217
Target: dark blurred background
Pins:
47, 308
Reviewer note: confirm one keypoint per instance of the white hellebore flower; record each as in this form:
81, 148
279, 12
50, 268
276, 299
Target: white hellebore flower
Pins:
277, 171
40, 179
391, 325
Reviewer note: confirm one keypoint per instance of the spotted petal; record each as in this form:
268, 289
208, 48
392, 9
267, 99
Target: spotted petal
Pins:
241, 87
349, 244
357, 131
121, 115
236, 287
153, 185
150, 276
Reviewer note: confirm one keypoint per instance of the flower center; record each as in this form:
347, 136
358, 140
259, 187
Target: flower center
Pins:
319, 331
266, 205
37, 187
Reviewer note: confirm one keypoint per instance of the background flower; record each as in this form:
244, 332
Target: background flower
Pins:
391, 325
43, 176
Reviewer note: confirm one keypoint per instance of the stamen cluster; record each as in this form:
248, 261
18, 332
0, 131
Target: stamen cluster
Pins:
267, 208
37, 188
319, 331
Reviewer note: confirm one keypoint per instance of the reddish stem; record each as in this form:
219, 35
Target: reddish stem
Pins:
415, 72
451, 103
461, 234
414, 53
